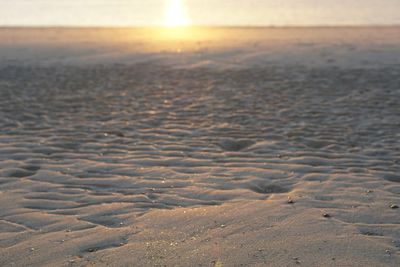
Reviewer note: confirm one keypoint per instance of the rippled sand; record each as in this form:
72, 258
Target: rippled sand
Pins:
227, 155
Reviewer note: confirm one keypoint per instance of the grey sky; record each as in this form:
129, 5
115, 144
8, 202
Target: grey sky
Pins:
201, 12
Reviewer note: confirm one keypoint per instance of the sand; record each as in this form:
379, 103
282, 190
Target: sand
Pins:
226, 147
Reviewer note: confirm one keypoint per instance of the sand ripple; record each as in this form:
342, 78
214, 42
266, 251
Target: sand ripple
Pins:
100, 144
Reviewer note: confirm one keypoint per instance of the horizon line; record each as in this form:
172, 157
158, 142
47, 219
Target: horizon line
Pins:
72, 26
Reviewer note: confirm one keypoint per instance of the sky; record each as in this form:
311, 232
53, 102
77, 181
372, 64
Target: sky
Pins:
198, 12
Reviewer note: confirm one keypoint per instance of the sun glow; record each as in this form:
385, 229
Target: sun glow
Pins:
176, 15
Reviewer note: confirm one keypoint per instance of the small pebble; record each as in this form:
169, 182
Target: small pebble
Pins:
326, 215
396, 243
369, 191
32, 249
71, 261
290, 201
394, 206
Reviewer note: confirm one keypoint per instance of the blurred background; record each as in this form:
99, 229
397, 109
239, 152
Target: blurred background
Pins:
198, 12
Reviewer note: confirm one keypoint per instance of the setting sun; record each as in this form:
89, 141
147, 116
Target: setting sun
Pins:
176, 15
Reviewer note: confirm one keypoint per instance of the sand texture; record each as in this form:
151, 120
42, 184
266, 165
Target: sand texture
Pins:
257, 147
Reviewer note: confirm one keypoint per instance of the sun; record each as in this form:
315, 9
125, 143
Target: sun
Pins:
176, 15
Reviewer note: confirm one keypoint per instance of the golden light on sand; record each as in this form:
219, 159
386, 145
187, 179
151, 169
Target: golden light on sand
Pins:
176, 15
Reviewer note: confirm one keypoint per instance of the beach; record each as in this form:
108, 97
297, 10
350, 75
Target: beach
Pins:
200, 147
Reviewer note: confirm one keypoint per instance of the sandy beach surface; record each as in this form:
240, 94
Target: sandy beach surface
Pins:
200, 147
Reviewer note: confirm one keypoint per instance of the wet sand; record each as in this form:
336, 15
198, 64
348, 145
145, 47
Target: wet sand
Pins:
222, 147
